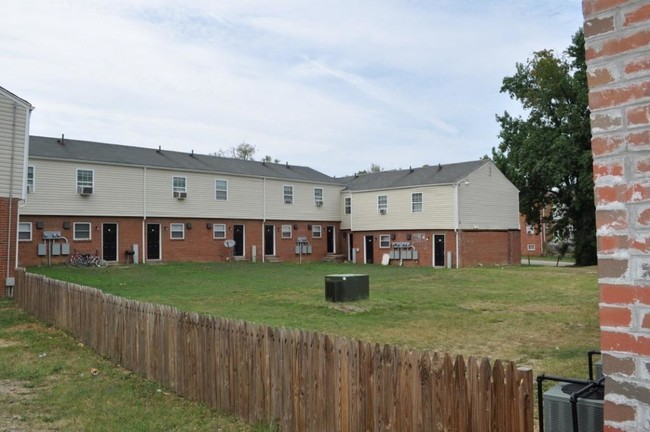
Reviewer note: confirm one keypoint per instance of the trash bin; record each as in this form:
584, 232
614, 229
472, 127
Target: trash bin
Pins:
347, 287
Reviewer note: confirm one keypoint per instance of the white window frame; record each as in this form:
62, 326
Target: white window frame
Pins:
530, 229
382, 203
173, 228
22, 225
318, 197
31, 179
86, 183
287, 191
215, 231
74, 231
287, 231
179, 188
531, 247
384, 241
347, 203
417, 206
218, 190
316, 231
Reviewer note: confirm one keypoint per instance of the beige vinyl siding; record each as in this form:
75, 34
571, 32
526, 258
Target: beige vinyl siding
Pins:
437, 209
117, 190
303, 207
346, 219
244, 201
18, 133
488, 201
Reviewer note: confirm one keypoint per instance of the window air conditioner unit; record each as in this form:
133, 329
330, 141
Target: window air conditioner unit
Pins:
557, 409
382, 211
319, 203
85, 190
180, 195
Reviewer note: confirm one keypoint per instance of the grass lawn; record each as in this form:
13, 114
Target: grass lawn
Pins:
542, 317
50, 382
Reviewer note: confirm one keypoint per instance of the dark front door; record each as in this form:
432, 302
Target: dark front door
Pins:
109, 241
153, 241
330, 239
439, 250
369, 250
238, 236
269, 240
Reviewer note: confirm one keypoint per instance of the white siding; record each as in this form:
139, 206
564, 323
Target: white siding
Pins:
488, 200
437, 209
244, 196
120, 191
17, 132
303, 207
117, 190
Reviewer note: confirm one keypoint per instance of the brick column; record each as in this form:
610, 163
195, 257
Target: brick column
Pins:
618, 57
7, 241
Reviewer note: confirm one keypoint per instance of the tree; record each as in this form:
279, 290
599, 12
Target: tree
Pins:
243, 151
547, 155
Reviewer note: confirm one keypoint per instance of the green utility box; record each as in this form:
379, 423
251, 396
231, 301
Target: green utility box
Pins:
347, 287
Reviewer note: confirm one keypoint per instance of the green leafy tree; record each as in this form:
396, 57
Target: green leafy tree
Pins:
547, 154
243, 151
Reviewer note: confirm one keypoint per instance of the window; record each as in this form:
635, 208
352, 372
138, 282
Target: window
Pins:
530, 229
348, 205
30, 179
288, 194
177, 231
179, 184
384, 241
316, 231
318, 197
416, 202
219, 231
85, 181
82, 231
25, 231
382, 204
221, 188
286, 231
531, 247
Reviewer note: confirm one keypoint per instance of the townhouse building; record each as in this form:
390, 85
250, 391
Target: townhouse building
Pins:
15, 114
129, 203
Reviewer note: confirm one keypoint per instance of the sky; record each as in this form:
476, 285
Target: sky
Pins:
336, 85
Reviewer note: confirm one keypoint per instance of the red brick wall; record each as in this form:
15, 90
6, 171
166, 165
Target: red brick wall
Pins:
476, 247
424, 246
7, 238
527, 239
618, 57
197, 245
490, 248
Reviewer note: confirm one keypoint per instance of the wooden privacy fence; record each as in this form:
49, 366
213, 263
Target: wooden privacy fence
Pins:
301, 380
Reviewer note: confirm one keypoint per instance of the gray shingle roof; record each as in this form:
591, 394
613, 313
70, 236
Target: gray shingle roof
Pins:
88, 151
426, 175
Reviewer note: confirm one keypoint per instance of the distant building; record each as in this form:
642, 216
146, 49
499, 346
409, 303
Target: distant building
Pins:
172, 206
14, 140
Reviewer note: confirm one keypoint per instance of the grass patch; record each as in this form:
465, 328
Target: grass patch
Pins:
542, 317
47, 383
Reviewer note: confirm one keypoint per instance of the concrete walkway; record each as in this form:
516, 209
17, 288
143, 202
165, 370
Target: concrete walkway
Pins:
534, 262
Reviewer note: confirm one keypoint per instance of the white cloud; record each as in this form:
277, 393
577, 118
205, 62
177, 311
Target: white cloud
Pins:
335, 85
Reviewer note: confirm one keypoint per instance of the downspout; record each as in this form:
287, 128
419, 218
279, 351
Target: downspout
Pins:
264, 220
11, 189
144, 213
457, 224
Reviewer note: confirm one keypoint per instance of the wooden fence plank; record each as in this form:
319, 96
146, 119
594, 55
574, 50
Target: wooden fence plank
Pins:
301, 380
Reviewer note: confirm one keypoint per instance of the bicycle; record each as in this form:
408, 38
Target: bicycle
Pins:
85, 260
